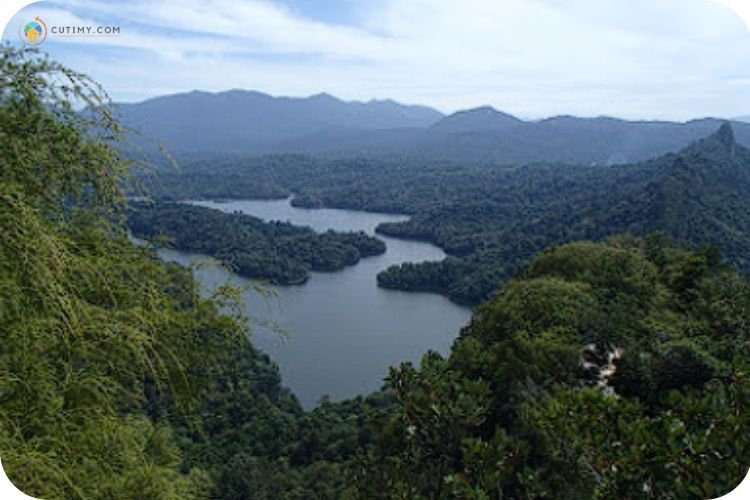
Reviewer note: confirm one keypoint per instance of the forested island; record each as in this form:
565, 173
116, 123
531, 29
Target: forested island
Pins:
617, 369
277, 252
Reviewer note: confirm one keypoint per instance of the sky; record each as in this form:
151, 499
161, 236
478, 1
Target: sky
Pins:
635, 59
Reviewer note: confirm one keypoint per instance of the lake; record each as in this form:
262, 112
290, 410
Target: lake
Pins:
343, 331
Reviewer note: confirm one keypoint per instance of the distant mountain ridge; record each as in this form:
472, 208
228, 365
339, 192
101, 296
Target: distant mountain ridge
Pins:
497, 137
485, 118
254, 123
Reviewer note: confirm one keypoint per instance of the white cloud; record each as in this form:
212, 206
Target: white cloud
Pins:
633, 58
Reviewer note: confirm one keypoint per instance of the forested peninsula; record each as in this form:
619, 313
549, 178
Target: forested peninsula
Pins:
277, 252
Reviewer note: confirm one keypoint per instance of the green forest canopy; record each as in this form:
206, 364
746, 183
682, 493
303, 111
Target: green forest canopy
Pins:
614, 370
492, 219
278, 252
117, 380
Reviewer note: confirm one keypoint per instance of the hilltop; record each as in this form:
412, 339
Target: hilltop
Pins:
699, 196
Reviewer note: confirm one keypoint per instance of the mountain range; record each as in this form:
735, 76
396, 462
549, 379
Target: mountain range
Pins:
255, 123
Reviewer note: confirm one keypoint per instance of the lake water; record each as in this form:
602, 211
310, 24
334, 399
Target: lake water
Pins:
343, 331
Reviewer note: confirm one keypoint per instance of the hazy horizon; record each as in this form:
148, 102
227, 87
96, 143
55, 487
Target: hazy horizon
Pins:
655, 60
423, 105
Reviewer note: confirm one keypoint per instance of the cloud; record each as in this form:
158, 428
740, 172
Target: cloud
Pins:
673, 59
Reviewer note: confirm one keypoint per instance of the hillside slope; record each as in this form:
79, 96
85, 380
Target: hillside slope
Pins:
699, 196
119, 379
600, 371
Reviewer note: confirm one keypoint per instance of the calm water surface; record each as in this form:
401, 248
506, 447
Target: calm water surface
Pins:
344, 331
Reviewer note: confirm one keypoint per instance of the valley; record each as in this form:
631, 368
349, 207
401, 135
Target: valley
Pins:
437, 307
324, 348
491, 219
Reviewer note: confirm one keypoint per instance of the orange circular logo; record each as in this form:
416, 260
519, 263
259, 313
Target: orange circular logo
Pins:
33, 33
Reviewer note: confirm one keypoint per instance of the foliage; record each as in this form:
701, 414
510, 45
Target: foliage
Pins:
593, 374
493, 219
85, 316
117, 380
617, 369
276, 251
